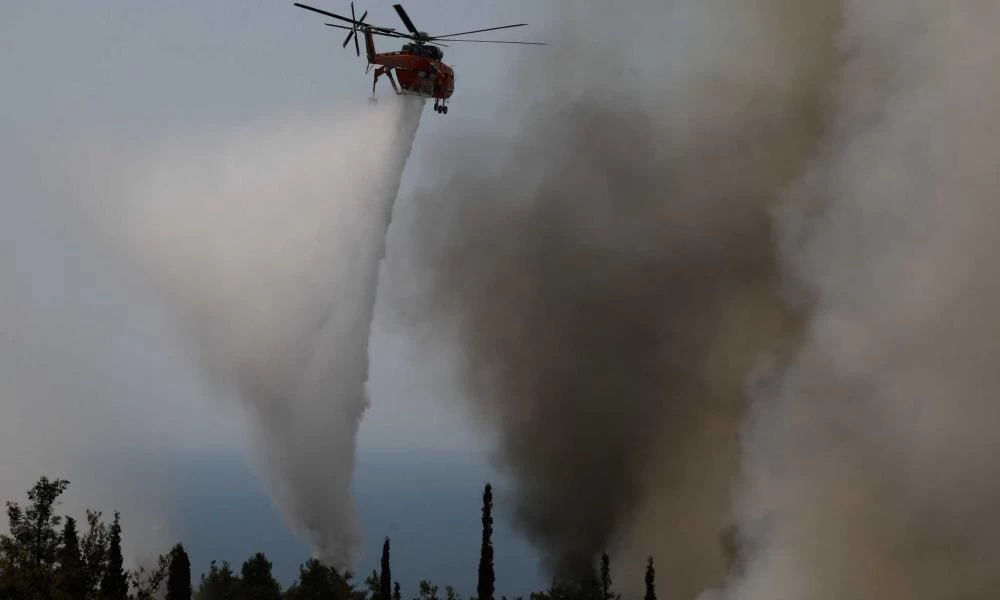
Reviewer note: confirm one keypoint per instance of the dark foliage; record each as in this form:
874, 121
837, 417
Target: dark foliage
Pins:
179, 578
40, 562
487, 577
650, 580
31, 548
114, 584
319, 582
220, 583
71, 577
385, 582
257, 581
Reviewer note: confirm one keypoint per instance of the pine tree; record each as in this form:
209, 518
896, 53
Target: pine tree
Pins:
396, 593
487, 578
374, 584
221, 583
257, 582
94, 552
114, 583
179, 575
32, 547
70, 577
385, 584
319, 582
650, 580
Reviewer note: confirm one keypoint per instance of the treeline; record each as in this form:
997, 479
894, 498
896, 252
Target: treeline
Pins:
46, 556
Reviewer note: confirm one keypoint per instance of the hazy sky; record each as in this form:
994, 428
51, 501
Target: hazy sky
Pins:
79, 350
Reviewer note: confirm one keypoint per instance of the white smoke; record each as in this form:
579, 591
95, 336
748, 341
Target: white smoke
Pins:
871, 465
267, 241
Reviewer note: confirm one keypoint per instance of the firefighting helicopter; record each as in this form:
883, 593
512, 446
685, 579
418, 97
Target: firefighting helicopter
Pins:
417, 65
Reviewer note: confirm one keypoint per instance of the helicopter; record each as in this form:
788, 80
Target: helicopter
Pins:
417, 65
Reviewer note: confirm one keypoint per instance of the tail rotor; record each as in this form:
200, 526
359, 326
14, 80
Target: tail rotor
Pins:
354, 30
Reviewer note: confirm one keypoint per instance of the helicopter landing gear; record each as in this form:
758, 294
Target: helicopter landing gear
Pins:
441, 109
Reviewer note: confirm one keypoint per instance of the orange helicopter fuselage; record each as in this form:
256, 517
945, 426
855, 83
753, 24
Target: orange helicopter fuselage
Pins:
417, 67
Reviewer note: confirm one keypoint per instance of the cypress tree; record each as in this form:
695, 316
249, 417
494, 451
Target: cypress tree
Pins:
179, 575
650, 580
605, 577
71, 577
487, 578
114, 584
385, 585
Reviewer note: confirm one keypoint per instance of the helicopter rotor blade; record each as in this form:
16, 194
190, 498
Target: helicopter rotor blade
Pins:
346, 19
357, 49
405, 18
347, 40
478, 31
392, 34
374, 32
497, 42
323, 12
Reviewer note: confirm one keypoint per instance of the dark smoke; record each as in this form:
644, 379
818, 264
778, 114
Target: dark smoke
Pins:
609, 273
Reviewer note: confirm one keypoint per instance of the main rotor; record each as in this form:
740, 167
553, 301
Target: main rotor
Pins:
412, 33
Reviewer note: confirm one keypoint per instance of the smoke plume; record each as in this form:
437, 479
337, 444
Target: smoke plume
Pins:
609, 272
267, 242
871, 469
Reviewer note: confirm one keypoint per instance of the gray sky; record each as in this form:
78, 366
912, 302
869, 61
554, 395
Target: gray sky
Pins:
80, 347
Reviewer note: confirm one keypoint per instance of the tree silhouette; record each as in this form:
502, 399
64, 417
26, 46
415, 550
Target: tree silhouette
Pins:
219, 584
586, 589
179, 575
385, 584
39, 562
147, 583
70, 578
650, 580
427, 590
32, 546
487, 578
605, 577
374, 585
257, 582
114, 583
319, 582
94, 552
606, 591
